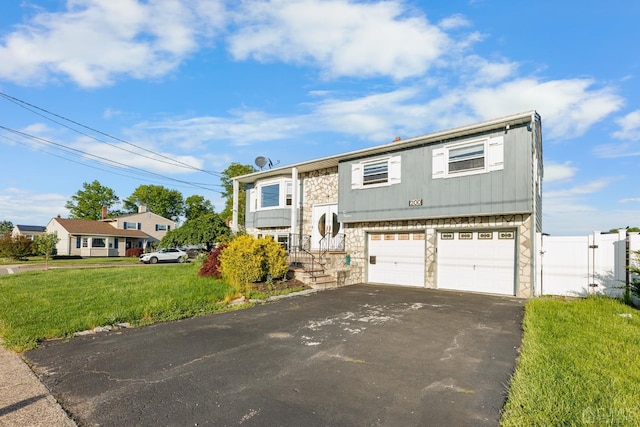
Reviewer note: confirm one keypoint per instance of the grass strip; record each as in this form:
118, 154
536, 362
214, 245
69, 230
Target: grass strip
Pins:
579, 365
57, 303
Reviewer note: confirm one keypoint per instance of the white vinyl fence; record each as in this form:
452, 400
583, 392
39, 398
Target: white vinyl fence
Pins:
583, 265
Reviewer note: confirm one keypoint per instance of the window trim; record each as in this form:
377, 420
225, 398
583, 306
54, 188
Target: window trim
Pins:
493, 157
255, 194
394, 172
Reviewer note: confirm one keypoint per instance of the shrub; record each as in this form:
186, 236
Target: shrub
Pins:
275, 263
211, 266
15, 247
134, 252
247, 260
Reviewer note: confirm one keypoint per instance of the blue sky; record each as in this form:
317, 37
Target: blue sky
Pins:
208, 82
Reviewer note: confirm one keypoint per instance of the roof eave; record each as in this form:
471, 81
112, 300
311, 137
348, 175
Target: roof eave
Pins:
332, 161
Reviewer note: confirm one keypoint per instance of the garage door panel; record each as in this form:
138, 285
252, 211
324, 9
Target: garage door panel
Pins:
474, 264
399, 259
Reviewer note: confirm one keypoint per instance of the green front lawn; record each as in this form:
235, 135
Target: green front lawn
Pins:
579, 365
56, 303
35, 260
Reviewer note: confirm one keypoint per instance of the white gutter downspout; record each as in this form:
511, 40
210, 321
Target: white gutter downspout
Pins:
294, 200
234, 212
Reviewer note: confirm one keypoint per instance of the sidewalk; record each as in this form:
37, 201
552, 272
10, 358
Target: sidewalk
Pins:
24, 401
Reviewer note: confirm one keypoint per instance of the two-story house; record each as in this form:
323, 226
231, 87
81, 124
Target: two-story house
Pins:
154, 225
457, 209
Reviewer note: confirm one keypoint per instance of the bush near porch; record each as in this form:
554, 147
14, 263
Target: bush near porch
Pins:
578, 365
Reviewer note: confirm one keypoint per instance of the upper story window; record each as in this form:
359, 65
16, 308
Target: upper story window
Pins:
375, 173
131, 226
273, 194
468, 158
163, 227
270, 196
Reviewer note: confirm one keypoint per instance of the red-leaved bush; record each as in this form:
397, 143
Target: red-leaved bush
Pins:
211, 266
134, 252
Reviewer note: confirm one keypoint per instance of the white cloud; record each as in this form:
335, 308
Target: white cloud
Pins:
343, 38
631, 200
555, 172
25, 207
568, 107
630, 127
93, 41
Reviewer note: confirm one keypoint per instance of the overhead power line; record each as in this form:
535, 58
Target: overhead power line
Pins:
158, 156
100, 159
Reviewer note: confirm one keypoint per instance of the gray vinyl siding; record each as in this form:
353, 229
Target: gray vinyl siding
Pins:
499, 192
268, 218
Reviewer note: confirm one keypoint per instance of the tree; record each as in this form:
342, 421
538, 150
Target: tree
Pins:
234, 169
204, 230
5, 227
88, 203
158, 199
196, 206
45, 244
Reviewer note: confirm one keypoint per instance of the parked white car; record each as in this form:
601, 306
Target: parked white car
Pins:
164, 255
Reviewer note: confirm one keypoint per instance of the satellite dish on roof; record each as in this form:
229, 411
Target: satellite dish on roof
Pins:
261, 161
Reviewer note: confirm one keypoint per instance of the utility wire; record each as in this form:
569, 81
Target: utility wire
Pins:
30, 107
100, 158
41, 150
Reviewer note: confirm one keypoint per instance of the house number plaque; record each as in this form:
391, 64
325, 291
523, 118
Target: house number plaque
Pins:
415, 202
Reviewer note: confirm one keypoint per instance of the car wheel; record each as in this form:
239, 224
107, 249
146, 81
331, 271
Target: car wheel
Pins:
181, 260
153, 260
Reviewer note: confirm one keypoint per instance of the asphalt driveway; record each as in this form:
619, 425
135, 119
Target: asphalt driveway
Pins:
356, 356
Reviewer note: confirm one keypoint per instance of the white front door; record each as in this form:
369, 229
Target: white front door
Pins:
326, 227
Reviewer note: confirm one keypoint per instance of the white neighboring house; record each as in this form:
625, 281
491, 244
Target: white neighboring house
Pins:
28, 231
94, 238
155, 226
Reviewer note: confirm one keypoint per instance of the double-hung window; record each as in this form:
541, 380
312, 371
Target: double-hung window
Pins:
466, 158
376, 173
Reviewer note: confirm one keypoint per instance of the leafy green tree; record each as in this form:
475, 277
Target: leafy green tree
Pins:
16, 248
196, 206
158, 199
233, 170
88, 202
5, 227
204, 230
45, 244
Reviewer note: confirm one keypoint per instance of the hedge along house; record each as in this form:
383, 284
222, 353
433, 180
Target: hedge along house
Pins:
457, 209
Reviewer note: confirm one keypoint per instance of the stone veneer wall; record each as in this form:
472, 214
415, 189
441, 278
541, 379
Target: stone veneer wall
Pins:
355, 243
319, 187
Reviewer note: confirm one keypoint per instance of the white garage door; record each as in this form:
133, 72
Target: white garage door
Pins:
396, 258
479, 261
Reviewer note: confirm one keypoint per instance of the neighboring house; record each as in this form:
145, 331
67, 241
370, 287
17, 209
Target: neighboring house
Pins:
94, 238
457, 209
28, 231
154, 225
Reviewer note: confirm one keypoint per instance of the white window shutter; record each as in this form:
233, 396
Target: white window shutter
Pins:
356, 176
395, 170
438, 163
495, 154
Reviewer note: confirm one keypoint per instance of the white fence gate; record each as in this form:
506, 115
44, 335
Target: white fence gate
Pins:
583, 265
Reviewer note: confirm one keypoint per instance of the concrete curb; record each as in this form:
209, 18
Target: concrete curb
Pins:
24, 400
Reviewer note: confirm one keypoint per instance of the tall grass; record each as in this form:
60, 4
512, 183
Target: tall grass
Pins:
580, 365
57, 303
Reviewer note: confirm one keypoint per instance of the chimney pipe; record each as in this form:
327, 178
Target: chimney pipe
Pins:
104, 212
